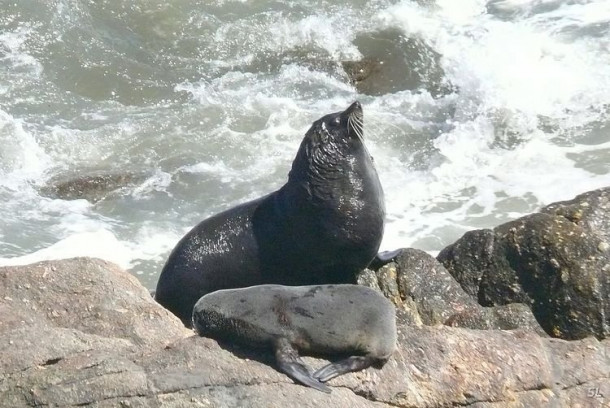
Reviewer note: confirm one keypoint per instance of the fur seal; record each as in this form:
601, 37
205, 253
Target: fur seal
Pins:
323, 226
348, 320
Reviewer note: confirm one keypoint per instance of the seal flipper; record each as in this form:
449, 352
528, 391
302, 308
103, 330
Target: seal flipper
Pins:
354, 363
383, 258
289, 362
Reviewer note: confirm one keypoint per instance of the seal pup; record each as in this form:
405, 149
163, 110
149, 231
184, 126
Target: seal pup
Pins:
347, 320
323, 226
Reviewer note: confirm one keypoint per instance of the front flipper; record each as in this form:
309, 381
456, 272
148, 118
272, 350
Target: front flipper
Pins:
289, 362
354, 363
383, 258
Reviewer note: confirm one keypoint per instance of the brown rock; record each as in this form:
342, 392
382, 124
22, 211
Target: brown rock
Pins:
92, 187
79, 359
89, 295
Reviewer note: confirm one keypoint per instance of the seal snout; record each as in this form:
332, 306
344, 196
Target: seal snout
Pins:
354, 120
354, 108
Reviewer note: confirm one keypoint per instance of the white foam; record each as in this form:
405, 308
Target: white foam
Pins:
21, 157
326, 31
149, 243
15, 55
509, 75
157, 182
98, 244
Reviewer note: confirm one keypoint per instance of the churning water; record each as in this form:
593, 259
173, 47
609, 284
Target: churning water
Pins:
123, 124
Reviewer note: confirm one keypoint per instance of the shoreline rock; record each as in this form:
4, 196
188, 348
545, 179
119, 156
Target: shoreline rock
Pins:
84, 332
556, 261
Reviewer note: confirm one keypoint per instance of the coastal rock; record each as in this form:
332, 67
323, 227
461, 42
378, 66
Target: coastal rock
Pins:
92, 296
82, 332
506, 317
557, 262
424, 292
590, 211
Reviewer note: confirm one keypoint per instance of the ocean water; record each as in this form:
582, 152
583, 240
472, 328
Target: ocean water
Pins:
124, 124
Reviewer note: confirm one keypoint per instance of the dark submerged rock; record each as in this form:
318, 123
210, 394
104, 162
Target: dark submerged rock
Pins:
91, 187
392, 62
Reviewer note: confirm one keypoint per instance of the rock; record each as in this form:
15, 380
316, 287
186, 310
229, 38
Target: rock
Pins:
560, 268
470, 257
392, 62
425, 293
418, 283
590, 210
406, 308
508, 317
89, 295
82, 332
91, 187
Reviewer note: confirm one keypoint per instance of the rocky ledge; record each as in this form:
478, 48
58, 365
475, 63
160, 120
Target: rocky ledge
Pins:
477, 327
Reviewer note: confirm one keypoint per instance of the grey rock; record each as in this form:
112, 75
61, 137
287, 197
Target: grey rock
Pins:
424, 292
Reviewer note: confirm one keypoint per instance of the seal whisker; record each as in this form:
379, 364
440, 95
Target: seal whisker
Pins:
375, 127
355, 123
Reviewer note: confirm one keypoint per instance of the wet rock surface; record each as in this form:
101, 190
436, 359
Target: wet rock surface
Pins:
92, 187
392, 62
424, 293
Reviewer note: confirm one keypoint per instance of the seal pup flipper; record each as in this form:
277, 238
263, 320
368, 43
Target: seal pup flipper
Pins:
350, 364
289, 362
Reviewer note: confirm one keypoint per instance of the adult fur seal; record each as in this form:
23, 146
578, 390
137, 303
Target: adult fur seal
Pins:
348, 320
323, 226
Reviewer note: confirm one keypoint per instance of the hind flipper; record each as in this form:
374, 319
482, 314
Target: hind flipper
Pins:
354, 363
289, 362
